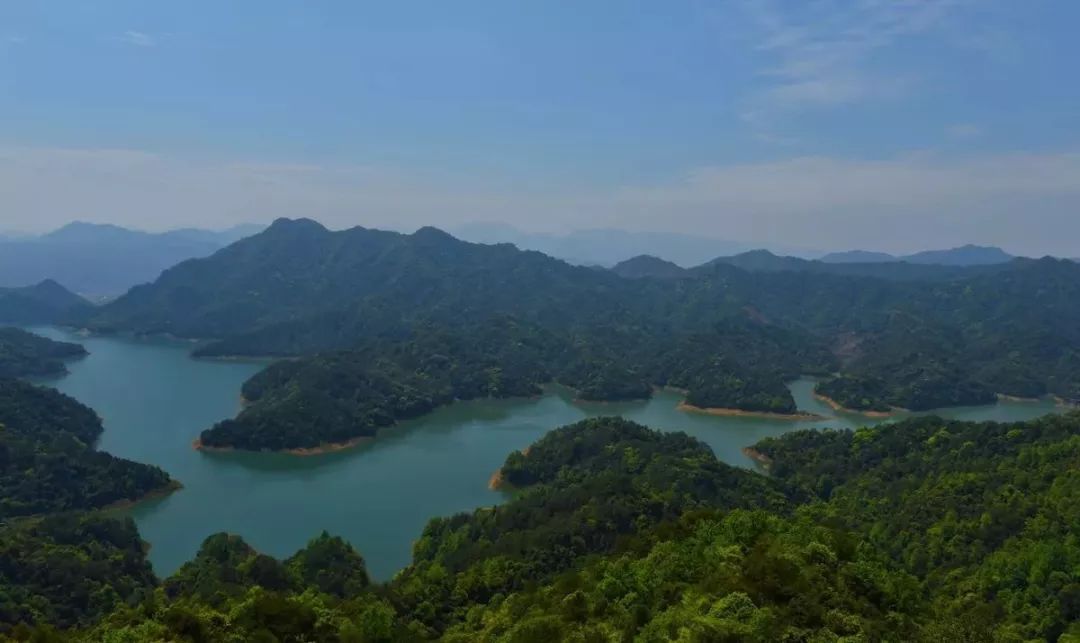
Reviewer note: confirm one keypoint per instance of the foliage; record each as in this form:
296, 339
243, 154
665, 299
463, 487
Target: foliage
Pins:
984, 514
587, 487
740, 576
69, 569
230, 592
926, 530
226, 568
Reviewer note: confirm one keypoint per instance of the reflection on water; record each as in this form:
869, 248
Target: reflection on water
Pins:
155, 399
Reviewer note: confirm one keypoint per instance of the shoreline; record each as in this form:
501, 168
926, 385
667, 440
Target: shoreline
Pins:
1005, 397
119, 505
496, 482
253, 359
1065, 404
302, 452
672, 389
758, 457
163, 492
840, 408
329, 447
724, 412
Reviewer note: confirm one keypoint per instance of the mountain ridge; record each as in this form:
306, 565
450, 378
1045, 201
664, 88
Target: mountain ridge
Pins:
965, 255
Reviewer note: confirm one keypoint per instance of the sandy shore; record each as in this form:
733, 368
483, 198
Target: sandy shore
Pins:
757, 456
690, 408
173, 485
496, 481
199, 446
330, 447
1060, 401
322, 449
836, 406
1016, 398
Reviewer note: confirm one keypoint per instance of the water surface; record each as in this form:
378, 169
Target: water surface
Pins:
155, 399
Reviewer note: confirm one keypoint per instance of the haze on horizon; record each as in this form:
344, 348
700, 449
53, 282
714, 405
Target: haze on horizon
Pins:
887, 125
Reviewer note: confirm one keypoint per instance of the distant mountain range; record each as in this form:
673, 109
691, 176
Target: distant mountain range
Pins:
608, 246
765, 261
968, 255
100, 261
649, 266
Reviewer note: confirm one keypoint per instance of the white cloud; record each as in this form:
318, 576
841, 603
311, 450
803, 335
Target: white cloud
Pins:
822, 53
138, 39
1028, 203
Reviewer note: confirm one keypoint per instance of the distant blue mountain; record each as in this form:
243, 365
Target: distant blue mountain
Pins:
610, 246
858, 256
969, 255
100, 260
648, 266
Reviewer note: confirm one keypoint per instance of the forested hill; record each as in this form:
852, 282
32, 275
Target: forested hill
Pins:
24, 354
336, 397
44, 303
649, 266
926, 531
364, 280
48, 462
300, 289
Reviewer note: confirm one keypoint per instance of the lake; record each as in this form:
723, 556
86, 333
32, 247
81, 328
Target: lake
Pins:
155, 399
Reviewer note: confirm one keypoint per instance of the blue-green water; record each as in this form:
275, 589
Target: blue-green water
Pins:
155, 399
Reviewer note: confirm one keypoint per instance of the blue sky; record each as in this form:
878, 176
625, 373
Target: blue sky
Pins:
891, 124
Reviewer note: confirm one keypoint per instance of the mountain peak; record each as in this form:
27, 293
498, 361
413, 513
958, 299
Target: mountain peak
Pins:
858, 256
83, 231
49, 284
759, 252
966, 255
647, 266
285, 223
429, 233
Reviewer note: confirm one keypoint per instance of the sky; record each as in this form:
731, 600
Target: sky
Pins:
892, 125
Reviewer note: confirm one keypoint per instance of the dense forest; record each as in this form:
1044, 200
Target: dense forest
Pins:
362, 306
339, 396
923, 530
48, 462
24, 354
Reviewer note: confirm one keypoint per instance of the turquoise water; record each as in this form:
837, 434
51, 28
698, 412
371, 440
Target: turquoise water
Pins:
155, 399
